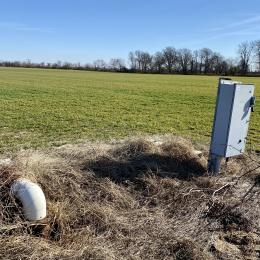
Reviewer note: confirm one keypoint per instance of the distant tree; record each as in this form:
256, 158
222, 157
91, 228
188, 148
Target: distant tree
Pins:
77, 66
257, 53
158, 62
132, 60
195, 62
117, 64
171, 58
146, 61
27, 63
216, 63
205, 58
138, 58
99, 64
232, 66
42, 65
67, 65
140, 61
87, 66
185, 59
245, 51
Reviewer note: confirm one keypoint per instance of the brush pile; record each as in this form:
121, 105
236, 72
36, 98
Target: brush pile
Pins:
144, 198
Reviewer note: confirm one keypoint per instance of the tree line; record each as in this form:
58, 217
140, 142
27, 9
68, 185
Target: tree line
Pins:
168, 61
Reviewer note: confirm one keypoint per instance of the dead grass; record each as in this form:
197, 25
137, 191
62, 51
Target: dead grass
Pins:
134, 199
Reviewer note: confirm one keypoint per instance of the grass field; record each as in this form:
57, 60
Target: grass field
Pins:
40, 108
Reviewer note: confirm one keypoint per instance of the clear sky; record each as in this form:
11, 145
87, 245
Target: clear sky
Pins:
85, 30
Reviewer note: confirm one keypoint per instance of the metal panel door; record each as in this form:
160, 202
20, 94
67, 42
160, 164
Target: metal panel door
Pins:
240, 119
223, 111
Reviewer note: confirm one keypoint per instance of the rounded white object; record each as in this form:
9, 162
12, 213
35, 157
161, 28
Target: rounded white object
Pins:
32, 198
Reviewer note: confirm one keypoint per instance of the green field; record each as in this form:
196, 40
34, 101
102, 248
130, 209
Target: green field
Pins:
40, 108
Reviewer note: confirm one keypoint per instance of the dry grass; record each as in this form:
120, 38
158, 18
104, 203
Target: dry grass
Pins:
135, 199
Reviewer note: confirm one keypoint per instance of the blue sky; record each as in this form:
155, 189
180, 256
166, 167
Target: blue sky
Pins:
82, 31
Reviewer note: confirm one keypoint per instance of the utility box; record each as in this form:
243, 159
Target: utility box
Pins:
235, 102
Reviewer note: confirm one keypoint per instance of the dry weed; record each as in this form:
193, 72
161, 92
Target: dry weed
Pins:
133, 199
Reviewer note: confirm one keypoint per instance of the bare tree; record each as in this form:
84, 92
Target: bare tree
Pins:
158, 62
216, 63
257, 53
141, 61
132, 60
168, 60
55, 65
170, 56
205, 56
146, 61
99, 64
195, 62
117, 64
138, 58
232, 65
245, 51
66, 65
185, 58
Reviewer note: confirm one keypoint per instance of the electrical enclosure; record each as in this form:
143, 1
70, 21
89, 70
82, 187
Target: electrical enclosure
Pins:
231, 121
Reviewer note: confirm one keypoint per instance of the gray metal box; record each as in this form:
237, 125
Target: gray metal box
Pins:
232, 114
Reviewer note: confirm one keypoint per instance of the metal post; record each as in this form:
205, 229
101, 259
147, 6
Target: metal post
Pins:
214, 163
